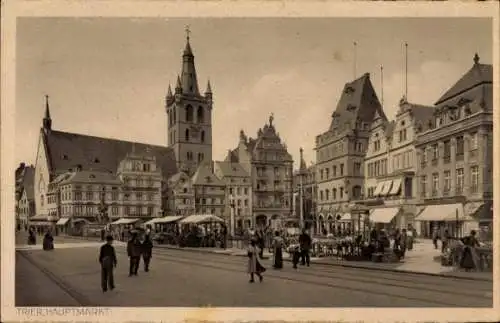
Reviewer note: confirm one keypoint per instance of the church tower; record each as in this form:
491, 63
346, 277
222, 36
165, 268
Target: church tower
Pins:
189, 117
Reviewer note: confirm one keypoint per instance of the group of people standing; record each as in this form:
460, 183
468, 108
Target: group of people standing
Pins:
135, 249
255, 252
48, 239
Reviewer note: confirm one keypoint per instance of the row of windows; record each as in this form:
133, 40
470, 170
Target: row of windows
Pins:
356, 193
238, 190
261, 171
188, 116
432, 152
447, 176
325, 173
377, 168
114, 210
337, 150
187, 136
402, 161
189, 156
138, 166
92, 196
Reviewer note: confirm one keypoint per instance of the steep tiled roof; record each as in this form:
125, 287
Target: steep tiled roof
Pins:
232, 169
204, 176
357, 102
232, 156
478, 74
91, 177
69, 150
421, 113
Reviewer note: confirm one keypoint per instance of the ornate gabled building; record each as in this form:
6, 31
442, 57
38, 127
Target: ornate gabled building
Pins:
180, 195
455, 156
25, 202
270, 166
341, 149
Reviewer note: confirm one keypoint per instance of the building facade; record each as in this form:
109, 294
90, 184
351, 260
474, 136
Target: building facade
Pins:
238, 194
209, 193
340, 152
270, 166
391, 165
181, 195
24, 203
455, 154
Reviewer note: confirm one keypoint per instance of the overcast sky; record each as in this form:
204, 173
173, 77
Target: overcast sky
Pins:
108, 76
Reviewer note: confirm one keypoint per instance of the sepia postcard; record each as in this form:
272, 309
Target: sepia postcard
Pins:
249, 161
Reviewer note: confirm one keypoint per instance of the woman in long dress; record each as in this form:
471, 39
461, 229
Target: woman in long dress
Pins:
48, 241
254, 266
470, 257
278, 243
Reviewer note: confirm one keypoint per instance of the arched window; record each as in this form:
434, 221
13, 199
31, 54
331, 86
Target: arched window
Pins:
202, 136
189, 113
199, 115
187, 134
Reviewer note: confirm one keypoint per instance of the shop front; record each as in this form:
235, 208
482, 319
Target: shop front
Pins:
443, 217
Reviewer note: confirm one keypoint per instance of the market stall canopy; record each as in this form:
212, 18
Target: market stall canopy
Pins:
201, 218
166, 219
62, 221
38, 217
125, 221
443, 212
384, 215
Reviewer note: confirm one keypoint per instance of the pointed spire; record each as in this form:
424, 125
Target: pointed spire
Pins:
271, 118
47, 121
189, 81
209, 88
178, 86
169, 92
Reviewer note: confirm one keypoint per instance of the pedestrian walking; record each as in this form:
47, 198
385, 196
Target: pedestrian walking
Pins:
403, 243
134, 254
254, 266
435, 237
48, 241
469, 259
108, 261
260, 243
305, 246
278, 243
31, 237
409, 239
444, 240
147, 252
295, 255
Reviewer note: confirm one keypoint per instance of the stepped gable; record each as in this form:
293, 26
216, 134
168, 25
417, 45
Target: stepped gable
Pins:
357, 102
477, 75
70, 150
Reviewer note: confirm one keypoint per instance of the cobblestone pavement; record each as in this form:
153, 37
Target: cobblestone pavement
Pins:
180, 278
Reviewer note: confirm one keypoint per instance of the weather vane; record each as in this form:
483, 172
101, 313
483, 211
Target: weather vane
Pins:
188, 32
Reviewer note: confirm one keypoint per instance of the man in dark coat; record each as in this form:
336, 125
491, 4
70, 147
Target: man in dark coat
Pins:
147, 252
107, 259
134, 253
305, 245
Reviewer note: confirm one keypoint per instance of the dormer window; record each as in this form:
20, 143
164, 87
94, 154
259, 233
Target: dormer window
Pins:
351, 107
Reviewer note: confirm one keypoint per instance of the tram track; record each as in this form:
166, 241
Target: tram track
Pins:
296, 277
368, 276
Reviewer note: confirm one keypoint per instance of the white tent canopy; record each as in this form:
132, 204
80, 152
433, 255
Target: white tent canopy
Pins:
62, 221
443, 212
166, 219
125, 221
201, 218
383, 215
